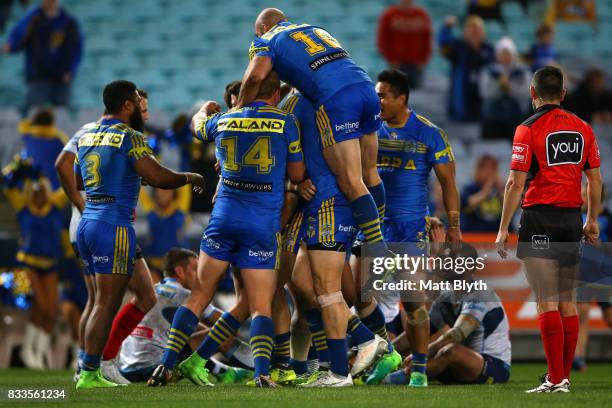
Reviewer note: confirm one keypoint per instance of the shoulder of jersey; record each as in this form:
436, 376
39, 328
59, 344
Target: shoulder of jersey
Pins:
273, 109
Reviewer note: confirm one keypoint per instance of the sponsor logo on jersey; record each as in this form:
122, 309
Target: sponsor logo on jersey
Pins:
519, 153
347, 228
251, 125
210, 243
326, 59
101, 139
263, 255
101, 259
347, 127
564, 148
540, 242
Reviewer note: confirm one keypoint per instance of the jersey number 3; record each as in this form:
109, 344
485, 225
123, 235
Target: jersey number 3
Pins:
92, 166
258, 155
312, 46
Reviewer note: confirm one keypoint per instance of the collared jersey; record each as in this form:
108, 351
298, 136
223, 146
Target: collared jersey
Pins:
308, 58
406, 156
254, 145
554, 147
106, 154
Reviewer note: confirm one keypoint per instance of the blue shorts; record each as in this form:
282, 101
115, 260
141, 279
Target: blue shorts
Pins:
495, 371
294, 233
349, 114
407, 231
73, 284
242, 244
106, 248
329, 225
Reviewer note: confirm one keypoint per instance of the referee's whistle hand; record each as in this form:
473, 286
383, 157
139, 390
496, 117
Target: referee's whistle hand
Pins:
500, 243
591, 231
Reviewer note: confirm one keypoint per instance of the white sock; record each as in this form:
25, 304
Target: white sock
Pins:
218, 367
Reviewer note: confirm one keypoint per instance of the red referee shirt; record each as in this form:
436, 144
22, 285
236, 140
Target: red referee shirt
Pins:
554, 146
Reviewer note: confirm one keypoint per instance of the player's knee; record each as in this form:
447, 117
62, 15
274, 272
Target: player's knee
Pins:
330, 299
417, 316
351, 185
146, 301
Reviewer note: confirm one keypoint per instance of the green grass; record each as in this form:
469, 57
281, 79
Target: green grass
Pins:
593, 389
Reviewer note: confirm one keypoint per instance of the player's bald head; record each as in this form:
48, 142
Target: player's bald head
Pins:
267, 19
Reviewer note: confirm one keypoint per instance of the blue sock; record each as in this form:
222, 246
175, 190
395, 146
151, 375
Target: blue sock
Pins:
183, 325
262, 331
300, 367
282, 351
419, 362
366, 216
397, 377
375, 321
315, 324
358, 332
378, 195
224, 328
338, 350
90, 362
312, 353
80, 356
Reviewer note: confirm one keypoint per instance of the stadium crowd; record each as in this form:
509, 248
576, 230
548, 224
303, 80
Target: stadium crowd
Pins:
156, 319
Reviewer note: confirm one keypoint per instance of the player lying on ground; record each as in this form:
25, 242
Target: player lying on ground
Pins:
143, 349
470, 342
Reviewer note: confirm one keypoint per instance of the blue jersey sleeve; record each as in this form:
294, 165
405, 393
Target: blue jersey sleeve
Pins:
262, 48
439, 151
294, 140
206, 129
136, 146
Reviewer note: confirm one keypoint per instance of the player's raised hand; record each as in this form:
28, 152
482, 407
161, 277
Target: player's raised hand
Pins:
210, 108
196, 181
501, 243
306, 189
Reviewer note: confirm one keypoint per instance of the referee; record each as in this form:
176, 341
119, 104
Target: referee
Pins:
550, 151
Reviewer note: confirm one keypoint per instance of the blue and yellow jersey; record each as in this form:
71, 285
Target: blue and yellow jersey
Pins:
406, 156
308, 58
254, 145
41, 228
42, 144
166, 227
316, 167
105, 159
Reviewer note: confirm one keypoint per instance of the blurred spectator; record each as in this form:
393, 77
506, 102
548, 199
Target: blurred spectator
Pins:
571, 11
53, 47
504, 86
43, 142
481, 200
405, 39
486, 9
467, 57
166, 212
40, 224
591, 101
543, 51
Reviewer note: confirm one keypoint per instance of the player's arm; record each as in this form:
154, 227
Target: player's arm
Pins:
591, 226
159, 176
445, 172
296, 169
256, 72
462, 328
64, 165
512, 197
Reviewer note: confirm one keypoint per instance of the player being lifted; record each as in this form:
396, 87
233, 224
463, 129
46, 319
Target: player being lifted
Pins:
258, 145
112, 157
409, 147
347, 117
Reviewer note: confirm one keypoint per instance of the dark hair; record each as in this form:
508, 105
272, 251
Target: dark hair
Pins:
177, 257
43, 117
231, 89
143, 94
548, 83
116, 93
269, 85
543, 30
397, 80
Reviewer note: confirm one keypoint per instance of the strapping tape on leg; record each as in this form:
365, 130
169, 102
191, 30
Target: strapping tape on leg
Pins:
330, 299
418, 316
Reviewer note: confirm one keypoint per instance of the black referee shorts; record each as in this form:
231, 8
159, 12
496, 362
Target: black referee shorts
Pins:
550, 233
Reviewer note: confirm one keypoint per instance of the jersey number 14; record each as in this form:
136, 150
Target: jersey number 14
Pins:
258, 155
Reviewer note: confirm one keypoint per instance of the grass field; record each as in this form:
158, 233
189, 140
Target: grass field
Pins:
593, 389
